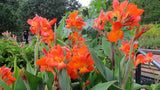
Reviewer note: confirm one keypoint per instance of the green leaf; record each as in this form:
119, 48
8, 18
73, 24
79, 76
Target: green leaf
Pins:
33, 81
4, 85
106, 72
64, 81
48, 79
60, 28
20, 84
106, 47
157, 86
138, 86
103, 86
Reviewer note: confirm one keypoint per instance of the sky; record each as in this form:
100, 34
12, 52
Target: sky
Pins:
84, 2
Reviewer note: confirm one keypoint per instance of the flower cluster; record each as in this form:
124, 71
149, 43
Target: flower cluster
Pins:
75, 38
55, 58
74, 22
127, 15
143, 59
81, 61
42, 27
75, 57
125, 48
6, 76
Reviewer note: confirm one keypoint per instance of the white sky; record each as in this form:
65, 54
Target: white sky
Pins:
84, 2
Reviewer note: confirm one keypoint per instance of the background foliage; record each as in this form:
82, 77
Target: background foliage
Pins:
15, 13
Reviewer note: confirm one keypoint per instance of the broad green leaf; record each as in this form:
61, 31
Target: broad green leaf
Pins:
103, 86
157, 86
4, 85
48, 79
64, 81
20, 84
60, 28
106, 47
106, 72
138, 86
33, 81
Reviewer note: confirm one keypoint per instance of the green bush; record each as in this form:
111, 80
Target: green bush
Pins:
10, 49
150, 39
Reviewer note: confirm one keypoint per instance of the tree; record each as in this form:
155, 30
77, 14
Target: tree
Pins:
8, 18
45, 8
151, 10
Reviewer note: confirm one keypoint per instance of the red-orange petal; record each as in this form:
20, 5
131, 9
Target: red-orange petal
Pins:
53, 21
41, 61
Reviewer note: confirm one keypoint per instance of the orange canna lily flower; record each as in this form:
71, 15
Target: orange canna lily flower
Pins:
116, 32
72, 22
55, 58
40, 25
143, 59
83, 63
35, 24
129, 18
76, 38
44, 66
49, 38
149, 57
119, 9
72, 72
140, 59
80, 51
99, 22
125, 48
6, 76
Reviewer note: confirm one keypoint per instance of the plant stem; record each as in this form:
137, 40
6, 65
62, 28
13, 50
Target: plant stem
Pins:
112, 55
112, 58
129, 64
55, 34
36, 53
15, 66
119, 72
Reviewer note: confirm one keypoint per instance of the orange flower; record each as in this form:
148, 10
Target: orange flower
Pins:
40, 25
140, 59
125, 48
116, 32
149, 57
129, 18
49, 38
72, 22
55, 58
143, 59
79, 51
6, 75
35, 24
72, 72
99, 22
82, 63
76, 38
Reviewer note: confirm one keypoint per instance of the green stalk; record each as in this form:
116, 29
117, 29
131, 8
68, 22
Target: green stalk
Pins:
112, 56
119, 72
36, 53
129, 65
55, 34
15, 65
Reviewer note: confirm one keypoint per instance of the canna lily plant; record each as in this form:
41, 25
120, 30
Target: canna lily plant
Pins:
76, 63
